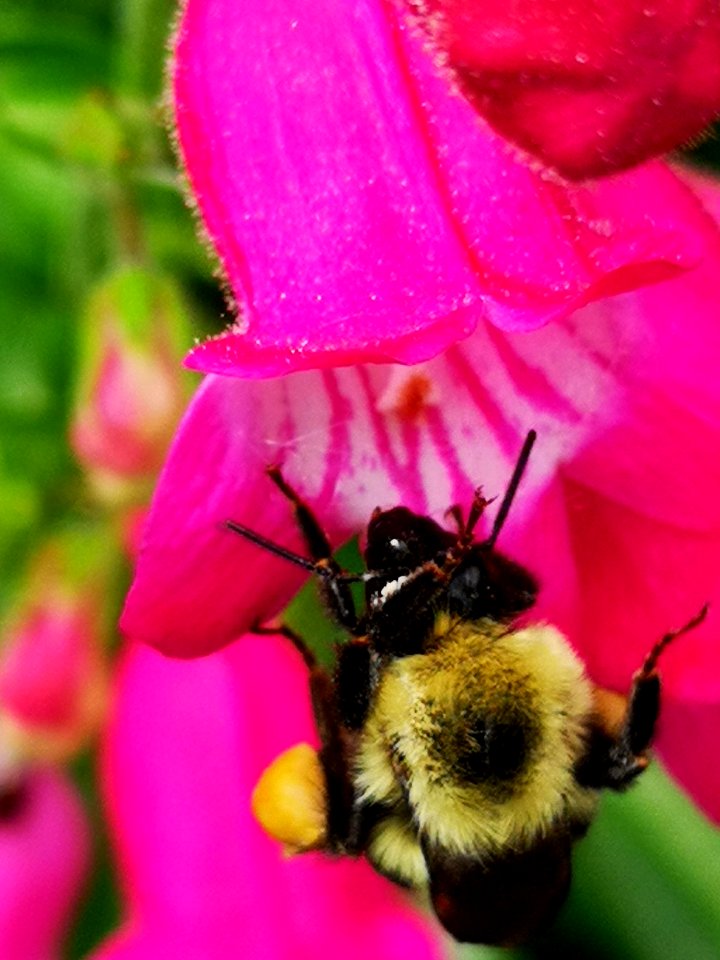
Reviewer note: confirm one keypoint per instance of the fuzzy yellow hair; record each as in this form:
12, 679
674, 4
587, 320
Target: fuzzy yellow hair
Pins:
410, 755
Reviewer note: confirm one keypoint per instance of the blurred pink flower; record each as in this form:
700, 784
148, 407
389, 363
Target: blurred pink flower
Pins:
588, 87
360, 208
618, 513
52, 662
44, 857
131, 393
185, 747
131, 523
47, 665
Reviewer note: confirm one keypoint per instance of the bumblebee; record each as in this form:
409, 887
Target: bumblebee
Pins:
463, 750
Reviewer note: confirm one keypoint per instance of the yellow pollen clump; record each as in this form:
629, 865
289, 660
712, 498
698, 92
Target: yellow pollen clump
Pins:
290, 801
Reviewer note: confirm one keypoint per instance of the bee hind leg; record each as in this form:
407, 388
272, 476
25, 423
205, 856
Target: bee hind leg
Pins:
624, 728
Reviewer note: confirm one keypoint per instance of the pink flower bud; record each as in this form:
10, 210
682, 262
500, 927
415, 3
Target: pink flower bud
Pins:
587, 87
131, 389
52, 672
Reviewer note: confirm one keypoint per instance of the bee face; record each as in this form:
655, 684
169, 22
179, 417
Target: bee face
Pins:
484, 584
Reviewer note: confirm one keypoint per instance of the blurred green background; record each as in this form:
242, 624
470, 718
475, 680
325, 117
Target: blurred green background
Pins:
88, 185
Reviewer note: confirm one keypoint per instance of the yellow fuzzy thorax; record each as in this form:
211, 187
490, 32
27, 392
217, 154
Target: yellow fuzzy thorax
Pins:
420, 729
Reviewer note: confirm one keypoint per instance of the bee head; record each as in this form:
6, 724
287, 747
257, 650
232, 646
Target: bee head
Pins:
485, 584
399, 540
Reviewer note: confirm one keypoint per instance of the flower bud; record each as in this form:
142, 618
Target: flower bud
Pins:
131, 391
53, 685
587, 87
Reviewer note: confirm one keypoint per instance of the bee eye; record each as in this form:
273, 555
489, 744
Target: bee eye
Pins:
399, 549
497, 750
489, 585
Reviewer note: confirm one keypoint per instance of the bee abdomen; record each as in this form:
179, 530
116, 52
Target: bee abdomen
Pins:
504, 900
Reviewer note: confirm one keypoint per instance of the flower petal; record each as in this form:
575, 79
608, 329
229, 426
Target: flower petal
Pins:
642, 493
198, 578
187, 744
638, 579
362, 212
687, 744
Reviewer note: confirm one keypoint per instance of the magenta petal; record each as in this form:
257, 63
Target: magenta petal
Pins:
216, 473
638, 579
44, 856
642, 491
589, 88
362, 212
657, 449
688, 738
624, 395
186, 745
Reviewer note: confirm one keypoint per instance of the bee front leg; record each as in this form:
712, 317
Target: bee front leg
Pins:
335, 590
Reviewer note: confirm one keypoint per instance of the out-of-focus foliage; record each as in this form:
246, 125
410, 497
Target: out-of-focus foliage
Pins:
88, 183
88, 190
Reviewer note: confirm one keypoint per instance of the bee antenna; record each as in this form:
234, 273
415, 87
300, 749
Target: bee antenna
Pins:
512, 488
651, 661
323, 570
266, 544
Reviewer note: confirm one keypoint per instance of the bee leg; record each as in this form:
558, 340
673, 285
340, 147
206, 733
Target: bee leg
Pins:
356, 677
336, 751
335, 740
321, 684
455, 514
620, 740
334, 589
609, 761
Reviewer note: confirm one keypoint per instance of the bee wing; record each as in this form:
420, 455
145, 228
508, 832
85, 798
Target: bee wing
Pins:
503, 901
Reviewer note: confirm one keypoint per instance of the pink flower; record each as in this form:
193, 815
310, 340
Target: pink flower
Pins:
186, 745
588, 87
363, 212
44, 854
618, 514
